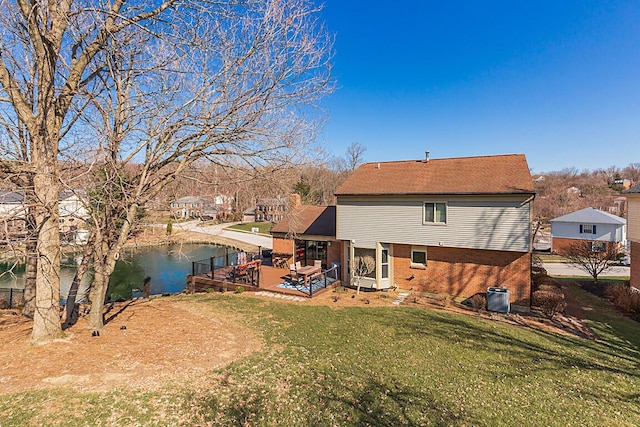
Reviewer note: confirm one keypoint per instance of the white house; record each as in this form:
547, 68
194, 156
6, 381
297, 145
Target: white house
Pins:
587, 224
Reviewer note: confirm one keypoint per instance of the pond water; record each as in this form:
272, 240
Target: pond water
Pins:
168, 267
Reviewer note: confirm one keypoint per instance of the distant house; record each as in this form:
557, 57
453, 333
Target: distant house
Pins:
538, 178
624, 183
273, 210
633, 216
193, 207
12, 214
455, 226
73, 216
589, 224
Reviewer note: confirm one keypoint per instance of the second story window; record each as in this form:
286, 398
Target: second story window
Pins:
587, 229
435, 213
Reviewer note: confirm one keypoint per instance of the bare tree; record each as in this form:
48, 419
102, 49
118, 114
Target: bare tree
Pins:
210, 79
362, 266
239, 90
593, 257
355, 155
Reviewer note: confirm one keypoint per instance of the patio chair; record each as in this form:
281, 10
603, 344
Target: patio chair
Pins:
317, 263
293, 272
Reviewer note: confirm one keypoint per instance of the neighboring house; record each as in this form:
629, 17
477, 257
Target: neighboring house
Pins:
12, 224
249, 215
633, 216
624, 183
273, 210
73, 216
306, 234
538, 178
193, 207
454, 226
589, 224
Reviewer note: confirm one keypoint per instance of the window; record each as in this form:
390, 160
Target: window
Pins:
435, 212
587, 228
419, 257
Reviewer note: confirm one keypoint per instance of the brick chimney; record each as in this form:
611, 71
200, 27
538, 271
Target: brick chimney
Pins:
294, 201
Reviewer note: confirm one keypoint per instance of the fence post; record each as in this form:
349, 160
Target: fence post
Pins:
212, 265
10, 297
193, 268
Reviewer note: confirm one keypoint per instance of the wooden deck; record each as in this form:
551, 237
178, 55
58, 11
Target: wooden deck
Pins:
269, 279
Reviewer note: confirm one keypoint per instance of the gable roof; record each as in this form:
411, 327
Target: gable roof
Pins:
633, 190
309, 220
591, 216
503, 174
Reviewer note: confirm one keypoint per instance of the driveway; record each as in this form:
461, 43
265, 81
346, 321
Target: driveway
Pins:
220, 230
562, 269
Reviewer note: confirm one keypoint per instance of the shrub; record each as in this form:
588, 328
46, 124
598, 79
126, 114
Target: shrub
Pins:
239, 290
478, 301
623, 297
550, 302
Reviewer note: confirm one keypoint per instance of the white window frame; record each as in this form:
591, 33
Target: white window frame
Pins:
422, 249
434, 203
587, 228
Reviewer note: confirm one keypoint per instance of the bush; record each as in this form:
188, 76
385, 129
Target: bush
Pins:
550, 302
239, 290
623, 297
478, 301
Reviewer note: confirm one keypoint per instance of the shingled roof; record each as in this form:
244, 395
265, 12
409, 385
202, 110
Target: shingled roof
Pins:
633, 190
309, 220
503, 174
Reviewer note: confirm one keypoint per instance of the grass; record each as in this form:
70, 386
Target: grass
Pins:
389, 366
264, 227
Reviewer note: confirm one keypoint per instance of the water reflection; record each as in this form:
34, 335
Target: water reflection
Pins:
168, 267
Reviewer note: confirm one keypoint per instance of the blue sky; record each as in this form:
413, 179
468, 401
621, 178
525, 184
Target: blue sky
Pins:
556, 80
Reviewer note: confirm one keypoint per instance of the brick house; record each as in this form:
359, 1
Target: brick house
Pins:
306, 234
633, 216
588, 224
454, 226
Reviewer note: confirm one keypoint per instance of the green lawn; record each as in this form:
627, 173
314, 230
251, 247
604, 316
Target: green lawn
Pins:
264, 227
395, 366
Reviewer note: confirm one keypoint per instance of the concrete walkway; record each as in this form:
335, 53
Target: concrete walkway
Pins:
265, 242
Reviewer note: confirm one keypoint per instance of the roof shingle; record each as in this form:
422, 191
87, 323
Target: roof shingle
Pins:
502, 174
309, 220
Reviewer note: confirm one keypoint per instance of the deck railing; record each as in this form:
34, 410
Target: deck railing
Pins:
11, 297
324, 278
225, 266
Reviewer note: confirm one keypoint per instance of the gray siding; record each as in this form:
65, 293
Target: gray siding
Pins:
604, 232
497, 223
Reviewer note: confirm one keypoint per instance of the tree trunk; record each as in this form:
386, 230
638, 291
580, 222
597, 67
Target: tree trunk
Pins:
29, 307
46, 319
97, 297
70, 306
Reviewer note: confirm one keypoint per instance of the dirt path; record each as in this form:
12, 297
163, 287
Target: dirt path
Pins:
147, 344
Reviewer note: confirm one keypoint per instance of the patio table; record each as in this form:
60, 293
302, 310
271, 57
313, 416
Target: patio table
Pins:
307, 271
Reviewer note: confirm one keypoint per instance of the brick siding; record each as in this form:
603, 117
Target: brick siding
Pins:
560, 245
465, 272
